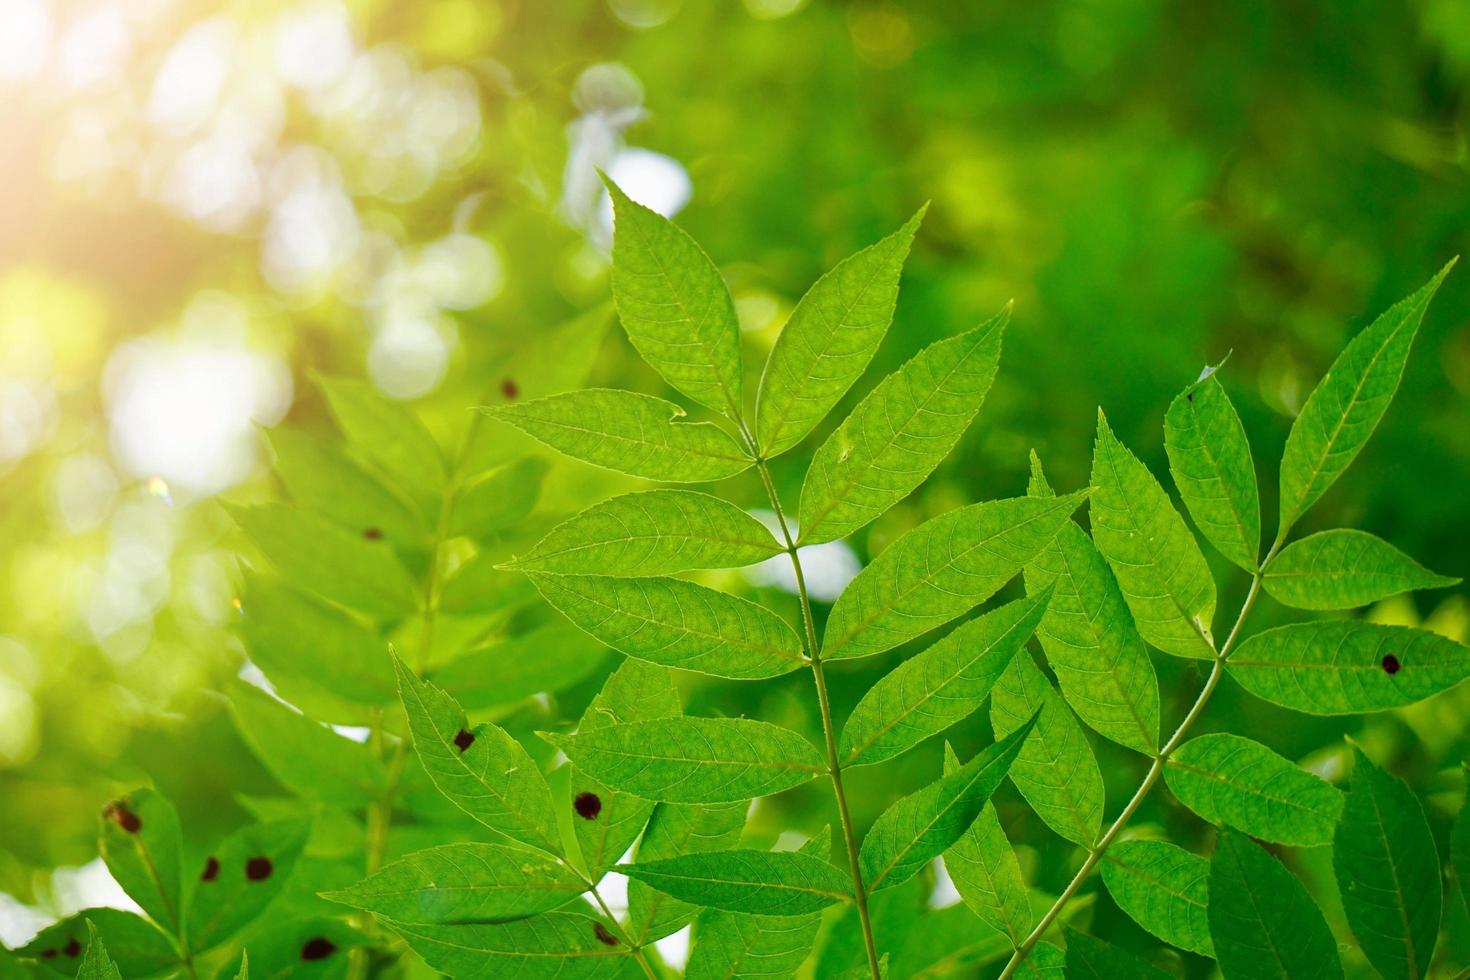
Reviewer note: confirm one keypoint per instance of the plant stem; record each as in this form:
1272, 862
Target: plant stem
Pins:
829, 732
623, 933
1150, 779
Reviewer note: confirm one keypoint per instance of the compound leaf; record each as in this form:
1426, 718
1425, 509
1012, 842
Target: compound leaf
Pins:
1156, 560
921, 826
1343, 667
628, 433
1263, 923
565, 945
1210, 460
1388, 872
899, 433
782, 883
656, 532
828, 341
1164, 888
940, 570
675, 305
1344, 569
1231, 780
945, 684
694, 760
1345, 407
677, 624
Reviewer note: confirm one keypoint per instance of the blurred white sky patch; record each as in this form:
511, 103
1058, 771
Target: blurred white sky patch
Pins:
193, 72
410, 353
95, 48
828, 567
89, 886
184, 407
27, 416
675, 948
314, 46
25, 39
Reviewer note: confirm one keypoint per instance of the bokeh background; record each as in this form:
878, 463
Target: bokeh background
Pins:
204, 204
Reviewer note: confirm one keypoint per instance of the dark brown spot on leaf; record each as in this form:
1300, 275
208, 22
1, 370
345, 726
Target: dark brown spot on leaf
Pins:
509, 388
372, 533
603, 936
211, 869
48, 954
72, 949
1189, 397
587, 805
117, 811
258, 868
464, 740
1391, 664
318, 948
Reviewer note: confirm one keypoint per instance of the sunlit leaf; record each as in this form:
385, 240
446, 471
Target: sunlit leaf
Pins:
1387, 871
757, 882
629, 433
1156, 560
675, 306
946, 683
324, 479
96, 964
464, 882
694, 760
1210, 460
565, 945
1347, 667
510, 670
1164, 888
1231, 780
499, 500
677, 624
827, 343
940, 570
240, 879
387, 432
142, 846
656, 532
983, 868
1100, 661
1343, 569
921, 826
1047, 961
1056, 771
1345, 407
899, 433
1262, 920
677, 829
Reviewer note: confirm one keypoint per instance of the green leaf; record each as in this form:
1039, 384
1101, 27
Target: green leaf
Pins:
1388, 872
1344, 667
1100, 661
564, 945
982, 866
628, 433
136, 946
141, 845
464, 882
315, 655
388, 433
899, 433
675, 306
1056, 771
96, 964
551, 658
317, 555
1089, 958
322, 478
1460, 846
1232, 781
1210, 460
481, 769
677, 624
1344, 409
244, 973
1344, 569
1164, 888
499, 500
1263, 922
757, 882
921, 826
303, 755
478, 586
943, 685
311, 948
677, 829
694, 760
827, 343
605, 821
735, 946
1156, 560
947, 942
940, 570
242, 877
656, 532
1047, 961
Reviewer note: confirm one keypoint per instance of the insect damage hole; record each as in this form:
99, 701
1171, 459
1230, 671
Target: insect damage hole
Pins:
1391, 664
587, 805
211, 869
118, 812
603, 936
258, 868
318, 948
463, 740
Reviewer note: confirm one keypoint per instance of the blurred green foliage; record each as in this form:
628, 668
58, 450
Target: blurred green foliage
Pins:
1156, 184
